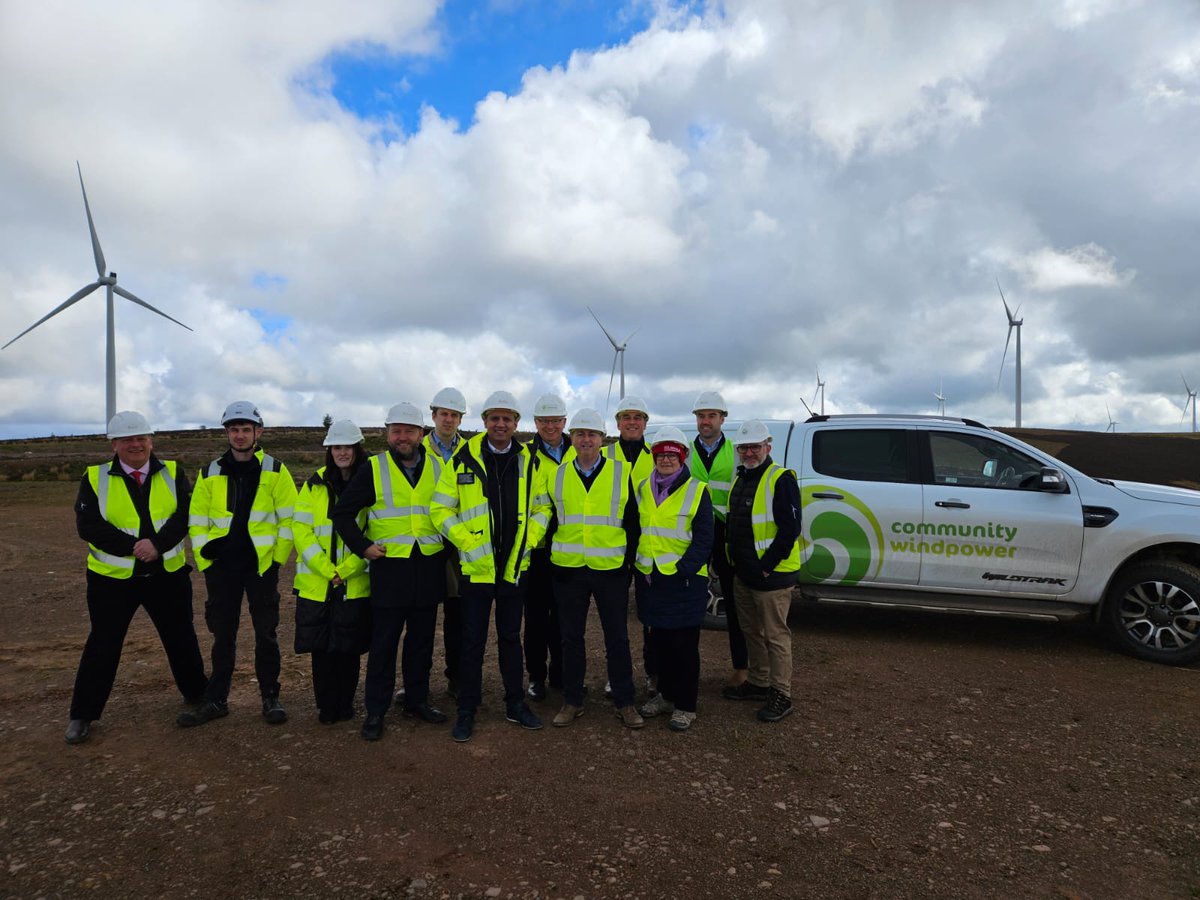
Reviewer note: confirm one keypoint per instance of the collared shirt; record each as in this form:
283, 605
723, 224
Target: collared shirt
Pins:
557, 451
708, 448
145, 470
500, 451
587, 473
445, 451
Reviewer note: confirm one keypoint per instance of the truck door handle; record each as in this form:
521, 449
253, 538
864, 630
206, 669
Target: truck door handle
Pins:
952, 504
826, 495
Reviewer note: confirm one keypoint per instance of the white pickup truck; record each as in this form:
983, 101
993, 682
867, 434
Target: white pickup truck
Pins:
942, 514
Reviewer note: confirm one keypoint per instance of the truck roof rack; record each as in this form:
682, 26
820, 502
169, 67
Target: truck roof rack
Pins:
905, 416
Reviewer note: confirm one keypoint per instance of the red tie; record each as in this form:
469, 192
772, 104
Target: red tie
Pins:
137, 476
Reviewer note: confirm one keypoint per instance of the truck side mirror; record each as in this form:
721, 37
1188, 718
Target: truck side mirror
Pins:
1053, 481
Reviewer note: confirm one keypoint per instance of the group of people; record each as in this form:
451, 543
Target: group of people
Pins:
481, 527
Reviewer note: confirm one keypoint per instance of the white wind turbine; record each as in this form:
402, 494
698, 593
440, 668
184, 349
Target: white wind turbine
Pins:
1190, 401
1013, 322
1112, 423
618, 357
109, 281
941, 399
820, 390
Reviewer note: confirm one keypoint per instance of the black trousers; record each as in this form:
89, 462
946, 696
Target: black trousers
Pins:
111, 603
335, 679
223, 615
418, 625
678, 652
452, 616
738, 655
543, 636
573, 590
477, 601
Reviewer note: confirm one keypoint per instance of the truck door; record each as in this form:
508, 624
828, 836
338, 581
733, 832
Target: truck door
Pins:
986, 527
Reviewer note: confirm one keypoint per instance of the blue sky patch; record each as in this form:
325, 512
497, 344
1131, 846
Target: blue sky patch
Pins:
268, 281
487, 46
274, 324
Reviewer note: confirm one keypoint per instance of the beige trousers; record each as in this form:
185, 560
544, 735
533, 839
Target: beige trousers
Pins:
763, 617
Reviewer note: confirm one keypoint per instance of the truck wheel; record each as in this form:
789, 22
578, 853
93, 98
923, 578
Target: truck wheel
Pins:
714, 615
1152, 611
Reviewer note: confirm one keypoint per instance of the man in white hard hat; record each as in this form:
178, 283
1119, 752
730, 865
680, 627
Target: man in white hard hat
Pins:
762, 532
713, 463
592, 555
403, 549
447, 408
132, 511
543, 637
487, 504
240, 523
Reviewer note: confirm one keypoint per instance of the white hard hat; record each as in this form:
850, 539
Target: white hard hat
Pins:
343, 433
404, 413
128, 423
586, 420
449, 398
549, 406
669, 433
752, 431
710, 400
633, 404
241, 411
501, 400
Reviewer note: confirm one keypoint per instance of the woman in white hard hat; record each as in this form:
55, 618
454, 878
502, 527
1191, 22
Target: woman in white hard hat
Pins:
332, 585
672, 581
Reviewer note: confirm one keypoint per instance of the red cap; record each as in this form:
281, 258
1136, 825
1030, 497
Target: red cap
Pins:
661, 447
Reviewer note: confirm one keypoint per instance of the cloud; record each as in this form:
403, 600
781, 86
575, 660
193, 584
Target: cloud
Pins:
1087, 265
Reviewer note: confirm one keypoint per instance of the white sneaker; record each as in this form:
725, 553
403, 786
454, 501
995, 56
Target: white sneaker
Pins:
681, 721
656, 706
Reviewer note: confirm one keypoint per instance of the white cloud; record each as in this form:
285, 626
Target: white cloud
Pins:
1087, 265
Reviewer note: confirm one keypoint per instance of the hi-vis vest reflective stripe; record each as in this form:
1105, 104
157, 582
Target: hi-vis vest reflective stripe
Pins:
719, 477
667, 528
116, 507
642, 466
399, 519
590, 531
460, 511
762, 519
270, 525
320, 553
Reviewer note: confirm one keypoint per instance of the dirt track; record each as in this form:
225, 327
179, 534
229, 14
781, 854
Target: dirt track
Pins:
929, 756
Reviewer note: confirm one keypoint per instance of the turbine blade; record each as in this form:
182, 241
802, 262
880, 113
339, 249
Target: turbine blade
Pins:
630, 338
1185, 385
611, 376
1007, 311
117, 289
1004, 354
611, 339
96, 251
74, 298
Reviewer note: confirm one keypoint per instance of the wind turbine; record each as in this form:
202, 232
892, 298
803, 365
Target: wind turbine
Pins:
109, 281
1112, 423
1190, 401
1013, 322
618, 356
820, 390
940, 399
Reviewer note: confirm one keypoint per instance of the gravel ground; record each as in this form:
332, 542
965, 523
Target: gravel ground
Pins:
928, 757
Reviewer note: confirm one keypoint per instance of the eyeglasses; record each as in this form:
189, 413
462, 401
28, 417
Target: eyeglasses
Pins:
750, 448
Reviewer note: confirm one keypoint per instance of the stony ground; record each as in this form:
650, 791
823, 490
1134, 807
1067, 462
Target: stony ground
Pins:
928, 757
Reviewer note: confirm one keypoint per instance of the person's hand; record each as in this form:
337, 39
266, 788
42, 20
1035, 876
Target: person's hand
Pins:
145, 551
374, 552
336, 581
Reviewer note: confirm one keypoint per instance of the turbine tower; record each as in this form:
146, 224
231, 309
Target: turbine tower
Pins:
1190, 401
1013, 322
618, 357
940, 398
109, 281
1112, 423
820, 390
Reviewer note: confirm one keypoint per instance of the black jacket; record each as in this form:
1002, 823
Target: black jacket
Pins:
739, 532
680, 600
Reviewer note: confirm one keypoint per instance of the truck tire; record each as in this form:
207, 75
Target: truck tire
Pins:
1152, 612
714, 615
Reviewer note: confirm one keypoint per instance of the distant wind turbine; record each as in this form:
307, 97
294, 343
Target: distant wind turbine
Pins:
820, 390
1190, 401
940, 398
618, 357
109, 281
1013, 322
1112, 423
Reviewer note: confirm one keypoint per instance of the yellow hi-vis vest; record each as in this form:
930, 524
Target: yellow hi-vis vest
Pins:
270, 524
762, 519
642, 466
320, 553
116, 507
461, 512
435, 451
667, 527
590, 531
399, 519
719, 477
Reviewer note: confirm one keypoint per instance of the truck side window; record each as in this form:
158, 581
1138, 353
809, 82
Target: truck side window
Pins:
862, 454
970, 460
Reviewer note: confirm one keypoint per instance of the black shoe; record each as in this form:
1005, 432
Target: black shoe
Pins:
464, 727
745, 691
522, 715
205, 712
78, 731
346, 714
425, 713
372, 727
273, 711
326, 718
778, 706
399, 701
537, 690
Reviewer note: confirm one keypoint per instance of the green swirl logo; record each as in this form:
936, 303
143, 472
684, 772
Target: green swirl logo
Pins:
842, 540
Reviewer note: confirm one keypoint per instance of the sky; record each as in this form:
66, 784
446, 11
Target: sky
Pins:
358, 204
